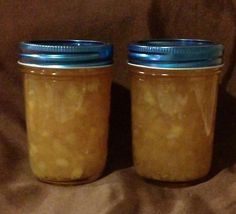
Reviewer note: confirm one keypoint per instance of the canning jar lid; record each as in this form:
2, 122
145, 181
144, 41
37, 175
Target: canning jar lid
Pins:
65, 53
175, 53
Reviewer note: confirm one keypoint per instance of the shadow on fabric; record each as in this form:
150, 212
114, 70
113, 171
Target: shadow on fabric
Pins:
119, 143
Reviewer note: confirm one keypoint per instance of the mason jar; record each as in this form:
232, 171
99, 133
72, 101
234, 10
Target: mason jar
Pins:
174, 92
67, 99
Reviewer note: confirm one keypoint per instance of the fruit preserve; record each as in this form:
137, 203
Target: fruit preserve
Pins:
67, 99
174, 93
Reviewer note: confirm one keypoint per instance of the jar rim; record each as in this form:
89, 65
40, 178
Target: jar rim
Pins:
66, 53
176, 53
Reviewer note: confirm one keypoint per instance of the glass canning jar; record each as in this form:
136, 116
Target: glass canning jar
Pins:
67, 98
174, 92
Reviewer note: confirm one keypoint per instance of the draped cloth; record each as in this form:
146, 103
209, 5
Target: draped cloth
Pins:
120, 189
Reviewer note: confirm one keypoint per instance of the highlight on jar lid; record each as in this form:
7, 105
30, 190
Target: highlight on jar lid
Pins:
65, 53
175, 53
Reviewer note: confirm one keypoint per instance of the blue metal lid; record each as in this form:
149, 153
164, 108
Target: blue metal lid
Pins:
175, 53
65, 53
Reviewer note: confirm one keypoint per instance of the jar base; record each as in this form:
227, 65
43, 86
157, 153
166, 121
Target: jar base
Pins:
176, 183
68, 182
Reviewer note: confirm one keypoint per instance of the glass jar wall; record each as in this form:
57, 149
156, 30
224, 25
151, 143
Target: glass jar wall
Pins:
67, 112
173, 107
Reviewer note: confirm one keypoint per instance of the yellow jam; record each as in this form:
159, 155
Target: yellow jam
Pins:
173, 115
67, 115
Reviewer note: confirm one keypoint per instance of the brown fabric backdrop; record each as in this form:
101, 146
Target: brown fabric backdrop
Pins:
120, 190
